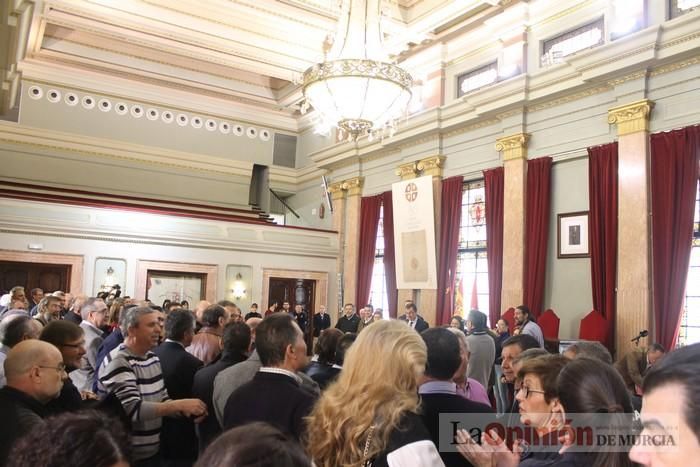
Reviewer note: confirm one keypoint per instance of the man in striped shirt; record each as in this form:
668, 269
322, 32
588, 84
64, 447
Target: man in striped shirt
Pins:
135, 377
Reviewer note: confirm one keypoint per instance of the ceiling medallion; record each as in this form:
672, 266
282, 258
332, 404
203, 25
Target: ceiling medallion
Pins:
356, 88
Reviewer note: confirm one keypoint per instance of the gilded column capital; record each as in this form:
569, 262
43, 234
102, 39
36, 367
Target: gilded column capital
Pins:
513, 146
631, 118
354, 186
336, 190
431, 165
407, 171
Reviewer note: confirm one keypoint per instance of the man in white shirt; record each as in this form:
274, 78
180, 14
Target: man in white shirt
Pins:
524, 320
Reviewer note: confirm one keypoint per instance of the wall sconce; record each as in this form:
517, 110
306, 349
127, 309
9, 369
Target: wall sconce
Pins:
238, 289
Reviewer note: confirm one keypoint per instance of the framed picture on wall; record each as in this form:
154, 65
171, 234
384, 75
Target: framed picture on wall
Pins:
572, 235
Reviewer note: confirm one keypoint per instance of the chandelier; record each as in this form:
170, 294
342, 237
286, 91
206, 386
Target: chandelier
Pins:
356, 88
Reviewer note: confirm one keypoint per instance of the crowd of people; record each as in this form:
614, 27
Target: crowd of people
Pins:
111, 382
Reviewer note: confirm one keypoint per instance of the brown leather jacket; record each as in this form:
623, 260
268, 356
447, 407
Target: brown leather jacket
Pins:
206, 345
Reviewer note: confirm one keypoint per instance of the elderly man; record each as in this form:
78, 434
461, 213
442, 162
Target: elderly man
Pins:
365, 317
207, 344
35, 374
13, 330
35, 297
322, 320
16, 294
93, 312
135, 377
282, 350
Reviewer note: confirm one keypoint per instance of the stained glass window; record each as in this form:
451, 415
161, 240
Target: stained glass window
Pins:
472, 286
690, 321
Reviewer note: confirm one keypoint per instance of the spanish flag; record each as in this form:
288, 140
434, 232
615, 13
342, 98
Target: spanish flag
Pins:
459, 299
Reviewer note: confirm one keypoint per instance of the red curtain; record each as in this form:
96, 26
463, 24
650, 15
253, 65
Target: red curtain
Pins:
602, 229
369, 222
674, 175
539, 172
389, 253
450, 218
493, 181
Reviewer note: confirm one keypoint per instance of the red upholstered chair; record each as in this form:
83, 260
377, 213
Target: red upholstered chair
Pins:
509, 316
549, 323
594, 327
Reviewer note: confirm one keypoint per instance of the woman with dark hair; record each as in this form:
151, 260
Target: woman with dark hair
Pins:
585, 387
254, 445
457, 322
321, 370
80, 439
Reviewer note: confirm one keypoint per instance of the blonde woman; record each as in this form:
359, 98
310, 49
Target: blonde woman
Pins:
369, 416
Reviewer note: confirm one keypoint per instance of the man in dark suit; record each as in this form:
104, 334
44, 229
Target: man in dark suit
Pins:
35, 374
178, 442
349, 321
633, 365
439, 393
236, 344
414, 321
275, 394
322, 320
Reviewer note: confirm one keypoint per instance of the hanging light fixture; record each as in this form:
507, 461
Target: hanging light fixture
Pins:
356, 88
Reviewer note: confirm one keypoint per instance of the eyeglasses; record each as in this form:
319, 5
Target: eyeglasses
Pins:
75, 346
61, 367
529, 391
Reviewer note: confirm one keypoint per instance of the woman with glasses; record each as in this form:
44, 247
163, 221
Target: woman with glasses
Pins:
591, 389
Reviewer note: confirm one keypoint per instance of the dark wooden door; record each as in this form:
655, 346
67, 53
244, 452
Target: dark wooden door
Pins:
296, 292
48, 277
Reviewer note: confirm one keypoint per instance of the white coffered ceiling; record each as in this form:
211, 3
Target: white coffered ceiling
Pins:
251, 52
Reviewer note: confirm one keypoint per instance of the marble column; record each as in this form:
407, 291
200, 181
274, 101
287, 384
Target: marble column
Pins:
634, 298
338, 198
351, 249
514, 151
432, 166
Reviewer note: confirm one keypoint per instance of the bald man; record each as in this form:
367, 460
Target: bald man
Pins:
35, 373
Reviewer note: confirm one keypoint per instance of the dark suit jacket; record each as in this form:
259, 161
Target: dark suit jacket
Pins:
322, 373
203, 388
432, 405
346, 324
273, 398
20, 414
177, 438
421, 324
68, 400
321, 323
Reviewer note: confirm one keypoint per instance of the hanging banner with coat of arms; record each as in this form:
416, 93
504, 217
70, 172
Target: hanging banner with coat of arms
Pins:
414, 234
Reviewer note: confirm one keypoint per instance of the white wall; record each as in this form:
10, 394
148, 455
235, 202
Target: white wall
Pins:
95, 233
